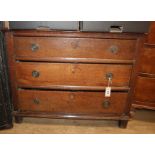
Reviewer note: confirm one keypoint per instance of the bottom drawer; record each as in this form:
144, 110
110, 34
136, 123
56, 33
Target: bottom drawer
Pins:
70, 102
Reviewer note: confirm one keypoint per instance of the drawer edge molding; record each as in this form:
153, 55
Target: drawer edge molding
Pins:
64, 87
75, 60
72, 34
66, 116
142, 105
142, 74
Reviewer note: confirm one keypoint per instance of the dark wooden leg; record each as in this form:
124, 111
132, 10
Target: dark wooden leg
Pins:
123, 123
18, 119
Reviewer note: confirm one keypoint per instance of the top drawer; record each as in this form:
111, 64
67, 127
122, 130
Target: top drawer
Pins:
60, 47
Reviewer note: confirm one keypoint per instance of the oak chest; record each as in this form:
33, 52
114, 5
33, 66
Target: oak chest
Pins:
57, 74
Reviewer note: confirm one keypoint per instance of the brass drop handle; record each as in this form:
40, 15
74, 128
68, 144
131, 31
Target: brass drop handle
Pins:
106, 104
35, 74
113, 49
109, 76
36, 101
34, 47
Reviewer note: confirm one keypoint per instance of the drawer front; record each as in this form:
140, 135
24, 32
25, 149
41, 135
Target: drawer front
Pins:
55, 47
71, 102
147, 60
48, 74
145, 88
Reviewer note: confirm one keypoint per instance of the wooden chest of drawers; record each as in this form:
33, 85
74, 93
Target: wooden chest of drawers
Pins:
58, 74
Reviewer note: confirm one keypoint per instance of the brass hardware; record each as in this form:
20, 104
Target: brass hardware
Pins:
34, 47
109, 76
106, 104
36, 101
113, 49
35, 74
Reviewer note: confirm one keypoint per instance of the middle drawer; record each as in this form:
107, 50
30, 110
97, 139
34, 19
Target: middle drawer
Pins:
31, 74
